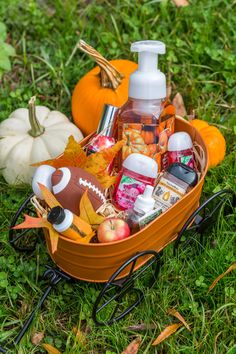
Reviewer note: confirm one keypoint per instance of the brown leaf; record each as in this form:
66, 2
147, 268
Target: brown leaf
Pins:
166, 333
180, 3
88, 214
50, 349
232, 267
176, 314
37, 337
178, 102
73, 156
133, 347
140, 327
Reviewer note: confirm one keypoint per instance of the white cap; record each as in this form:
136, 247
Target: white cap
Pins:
147, 82
42, 175
179, 141
66, 223
144, 201
144, 165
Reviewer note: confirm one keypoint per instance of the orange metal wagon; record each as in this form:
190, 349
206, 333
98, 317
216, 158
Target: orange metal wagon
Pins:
122, 265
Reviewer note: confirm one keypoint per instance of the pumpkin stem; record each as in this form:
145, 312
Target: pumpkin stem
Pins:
36, 128
110, 77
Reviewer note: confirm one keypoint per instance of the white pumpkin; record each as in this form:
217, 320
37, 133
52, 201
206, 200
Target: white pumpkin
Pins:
32, 135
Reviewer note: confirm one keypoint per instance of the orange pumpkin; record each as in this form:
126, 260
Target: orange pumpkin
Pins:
133, 143
107, 83
213, 139
152, 149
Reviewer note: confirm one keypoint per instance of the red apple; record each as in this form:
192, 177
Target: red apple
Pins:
113, 229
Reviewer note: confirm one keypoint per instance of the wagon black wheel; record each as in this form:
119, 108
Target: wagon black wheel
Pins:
23, 240
204, 218
120, 296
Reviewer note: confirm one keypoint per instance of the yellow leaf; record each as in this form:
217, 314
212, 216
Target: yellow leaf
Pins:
166, 333
98, 162
73, 156
54, 236
176, 314
88, 214
232, 267
133, 347
106, 180
50, 349
48, 196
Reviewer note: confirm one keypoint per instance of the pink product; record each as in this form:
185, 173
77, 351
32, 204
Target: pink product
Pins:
137, 172
182, 156
129, 186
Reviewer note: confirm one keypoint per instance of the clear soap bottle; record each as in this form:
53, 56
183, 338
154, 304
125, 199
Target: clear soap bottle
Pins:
138, 118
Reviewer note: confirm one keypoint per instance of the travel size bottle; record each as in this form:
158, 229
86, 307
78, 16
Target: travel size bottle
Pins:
138, 118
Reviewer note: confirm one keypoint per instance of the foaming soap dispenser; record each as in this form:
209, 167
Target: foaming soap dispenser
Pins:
138, 118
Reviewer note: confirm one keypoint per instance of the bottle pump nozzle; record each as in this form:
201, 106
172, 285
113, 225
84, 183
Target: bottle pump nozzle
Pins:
148, 82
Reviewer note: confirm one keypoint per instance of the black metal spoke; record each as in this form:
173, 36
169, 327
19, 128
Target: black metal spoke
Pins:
125, 288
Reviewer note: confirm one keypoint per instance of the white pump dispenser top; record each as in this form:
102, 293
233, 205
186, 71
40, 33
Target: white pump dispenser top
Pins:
147, 82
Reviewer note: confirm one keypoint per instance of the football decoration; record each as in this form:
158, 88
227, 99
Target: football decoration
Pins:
70, 183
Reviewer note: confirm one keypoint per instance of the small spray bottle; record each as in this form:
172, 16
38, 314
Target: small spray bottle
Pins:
142, 212
138, 118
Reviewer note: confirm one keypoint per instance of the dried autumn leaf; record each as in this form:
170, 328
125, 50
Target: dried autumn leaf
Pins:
88, 214
31, 222
48, 196
180, 3
133, 347
98, 162
50, 349
141, 327
178, 102
54, 237
166, 333
107, 181
73, 156
232, 267
176, 314
37, 337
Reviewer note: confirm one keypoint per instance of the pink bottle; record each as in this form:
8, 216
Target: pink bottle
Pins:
180, 149
137, 172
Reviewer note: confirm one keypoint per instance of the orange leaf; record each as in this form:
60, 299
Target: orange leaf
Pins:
166, 333
54, 236
73, 155
176, 314
50, 349
232, 267
31, 222
48, 196
98, 162
133, 347
88, 214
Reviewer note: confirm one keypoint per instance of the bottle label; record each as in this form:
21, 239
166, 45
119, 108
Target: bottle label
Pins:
167, 193
148, 217
147, 139
183, 156
127, 191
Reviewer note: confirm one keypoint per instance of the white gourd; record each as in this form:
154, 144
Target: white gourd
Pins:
32, 135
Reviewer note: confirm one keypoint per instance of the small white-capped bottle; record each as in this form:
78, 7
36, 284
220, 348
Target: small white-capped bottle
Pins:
142, 212
180, 149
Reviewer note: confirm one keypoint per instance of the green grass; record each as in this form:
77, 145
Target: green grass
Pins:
200, 62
